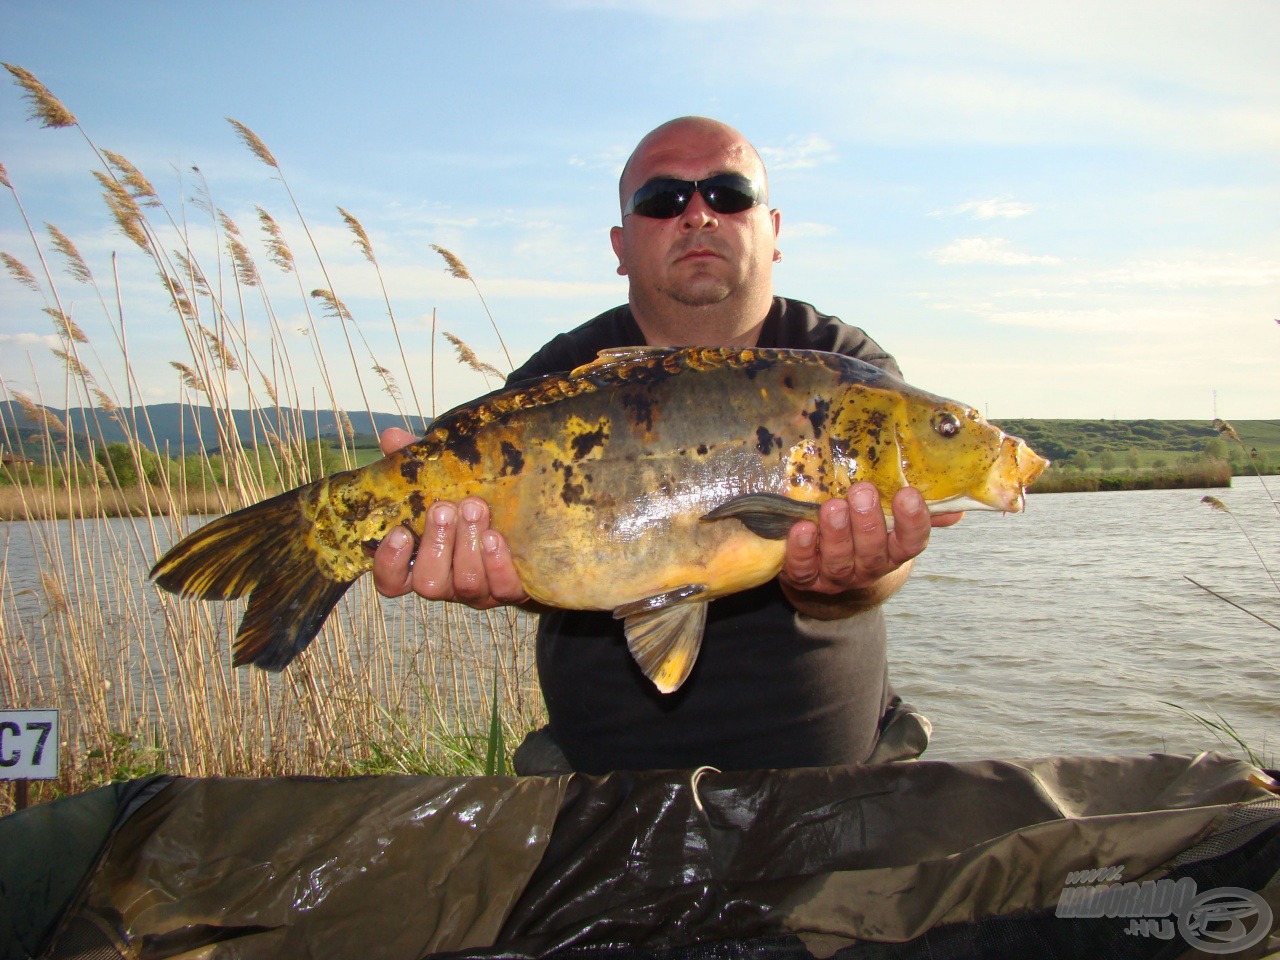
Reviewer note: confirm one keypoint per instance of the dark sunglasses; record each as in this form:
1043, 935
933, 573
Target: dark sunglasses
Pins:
664, 198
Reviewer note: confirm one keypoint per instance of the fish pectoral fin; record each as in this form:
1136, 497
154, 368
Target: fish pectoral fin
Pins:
664, 634
659, 601
768, 515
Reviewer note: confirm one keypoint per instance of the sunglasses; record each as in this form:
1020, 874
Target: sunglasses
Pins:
665, 197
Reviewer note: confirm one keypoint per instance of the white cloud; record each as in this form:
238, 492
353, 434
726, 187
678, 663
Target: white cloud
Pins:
31, 340
1202, 272
996, 208
992, 250
798, 153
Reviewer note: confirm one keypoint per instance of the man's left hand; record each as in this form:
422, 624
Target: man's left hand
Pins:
849, 560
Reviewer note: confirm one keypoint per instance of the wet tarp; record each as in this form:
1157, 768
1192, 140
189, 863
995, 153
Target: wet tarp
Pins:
923, 859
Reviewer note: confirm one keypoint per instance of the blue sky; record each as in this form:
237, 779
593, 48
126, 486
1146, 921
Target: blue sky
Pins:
1044, 210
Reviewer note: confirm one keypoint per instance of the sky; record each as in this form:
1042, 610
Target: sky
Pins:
1041, 209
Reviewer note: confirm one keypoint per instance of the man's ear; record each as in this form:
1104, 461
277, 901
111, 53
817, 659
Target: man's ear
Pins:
615, 238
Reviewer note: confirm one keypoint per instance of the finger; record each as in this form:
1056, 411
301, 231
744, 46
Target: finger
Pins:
911, 525
837, 562
870, 531
500, 569
391, 563
470, 584
801, 563
433, 568
945, 519
393, 438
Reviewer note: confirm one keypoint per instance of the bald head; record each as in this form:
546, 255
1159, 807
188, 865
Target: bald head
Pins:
701, 273
646, 160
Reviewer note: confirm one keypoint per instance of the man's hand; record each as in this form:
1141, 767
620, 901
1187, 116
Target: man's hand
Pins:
849, 560
458, 558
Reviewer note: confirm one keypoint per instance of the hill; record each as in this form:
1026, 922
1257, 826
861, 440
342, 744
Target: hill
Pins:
182, 429
1060, 440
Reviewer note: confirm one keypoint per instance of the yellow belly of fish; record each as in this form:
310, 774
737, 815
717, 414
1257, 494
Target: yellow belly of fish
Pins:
603, 580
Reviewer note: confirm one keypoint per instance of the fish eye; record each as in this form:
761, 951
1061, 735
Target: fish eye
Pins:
946, 424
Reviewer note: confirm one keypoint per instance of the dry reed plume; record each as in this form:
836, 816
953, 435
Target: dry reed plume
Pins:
143, 678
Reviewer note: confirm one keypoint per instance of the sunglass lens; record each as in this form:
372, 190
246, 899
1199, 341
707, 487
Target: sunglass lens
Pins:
662, 199
729, 193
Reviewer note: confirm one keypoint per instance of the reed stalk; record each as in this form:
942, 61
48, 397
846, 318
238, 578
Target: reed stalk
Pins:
143, 679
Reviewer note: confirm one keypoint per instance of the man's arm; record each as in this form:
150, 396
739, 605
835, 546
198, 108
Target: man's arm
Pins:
849, 561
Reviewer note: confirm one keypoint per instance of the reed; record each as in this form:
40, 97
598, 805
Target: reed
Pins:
143, 679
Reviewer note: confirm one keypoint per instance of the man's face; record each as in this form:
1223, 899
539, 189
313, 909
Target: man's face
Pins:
700, 257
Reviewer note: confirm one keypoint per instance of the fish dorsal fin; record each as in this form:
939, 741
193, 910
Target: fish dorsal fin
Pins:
664, 634
606, 359
767, 515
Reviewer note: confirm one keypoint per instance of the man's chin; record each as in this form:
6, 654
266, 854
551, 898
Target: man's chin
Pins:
700, 294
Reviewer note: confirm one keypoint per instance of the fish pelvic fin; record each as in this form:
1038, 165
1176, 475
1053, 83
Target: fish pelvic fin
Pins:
767, 515
664, 634
264, 551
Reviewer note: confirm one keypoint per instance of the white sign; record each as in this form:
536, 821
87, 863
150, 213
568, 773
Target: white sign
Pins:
28, 744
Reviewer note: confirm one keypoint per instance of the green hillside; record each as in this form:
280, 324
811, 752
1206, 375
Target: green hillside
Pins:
1065, 440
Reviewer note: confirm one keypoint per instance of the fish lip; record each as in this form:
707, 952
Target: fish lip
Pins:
966, 501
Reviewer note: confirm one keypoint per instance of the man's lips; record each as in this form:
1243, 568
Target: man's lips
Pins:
700, 254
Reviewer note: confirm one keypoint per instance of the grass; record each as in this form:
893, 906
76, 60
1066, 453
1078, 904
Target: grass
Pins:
143, 679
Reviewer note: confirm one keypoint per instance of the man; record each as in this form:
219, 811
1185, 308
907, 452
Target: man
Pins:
792, 673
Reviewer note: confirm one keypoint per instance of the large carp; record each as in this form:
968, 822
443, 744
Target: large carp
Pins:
647, 483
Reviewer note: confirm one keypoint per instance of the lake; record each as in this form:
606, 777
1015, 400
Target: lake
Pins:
1062, 630
1059, 631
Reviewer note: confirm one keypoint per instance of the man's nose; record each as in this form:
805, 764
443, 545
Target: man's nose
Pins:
697, 215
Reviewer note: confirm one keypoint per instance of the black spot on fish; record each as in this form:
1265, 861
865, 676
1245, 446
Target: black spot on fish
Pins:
584, 443
818, 417
639, 407
572, 493
788, 382
512, 460
464, 447
873, 454
410, 467
417, 503
766, 441
702, 449
356, 506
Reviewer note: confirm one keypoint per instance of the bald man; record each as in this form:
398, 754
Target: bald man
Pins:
792, 673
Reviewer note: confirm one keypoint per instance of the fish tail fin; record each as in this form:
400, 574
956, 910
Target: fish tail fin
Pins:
264, 551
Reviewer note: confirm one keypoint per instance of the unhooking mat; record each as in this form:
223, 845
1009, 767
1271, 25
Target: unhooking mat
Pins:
1159, 856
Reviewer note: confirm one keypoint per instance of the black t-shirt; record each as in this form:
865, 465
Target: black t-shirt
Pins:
770, 689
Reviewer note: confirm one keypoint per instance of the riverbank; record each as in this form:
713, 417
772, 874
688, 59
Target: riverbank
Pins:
23, 502
20, 502
1216, 473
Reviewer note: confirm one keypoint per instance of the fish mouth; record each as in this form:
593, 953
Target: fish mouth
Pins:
1016, 467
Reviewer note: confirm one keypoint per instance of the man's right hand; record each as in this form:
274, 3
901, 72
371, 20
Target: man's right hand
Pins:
458, 558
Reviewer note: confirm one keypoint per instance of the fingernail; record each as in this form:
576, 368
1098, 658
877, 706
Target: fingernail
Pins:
806, 538
397, 538
471, 511
441, 513
913, 502
489, 541
865, 499
839, 515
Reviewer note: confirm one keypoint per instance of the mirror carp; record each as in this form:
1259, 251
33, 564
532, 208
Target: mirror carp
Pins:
646, 483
